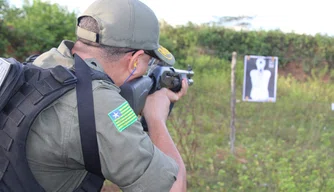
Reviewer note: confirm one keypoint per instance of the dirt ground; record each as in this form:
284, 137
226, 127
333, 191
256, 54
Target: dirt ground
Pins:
296, 70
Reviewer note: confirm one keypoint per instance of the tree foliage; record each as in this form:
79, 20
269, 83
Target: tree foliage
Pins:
38, 26
218, 41
35, 28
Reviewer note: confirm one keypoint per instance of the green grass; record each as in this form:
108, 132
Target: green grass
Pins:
282, 146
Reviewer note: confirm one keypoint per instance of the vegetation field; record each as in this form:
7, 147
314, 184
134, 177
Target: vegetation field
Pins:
281, 146
286, 146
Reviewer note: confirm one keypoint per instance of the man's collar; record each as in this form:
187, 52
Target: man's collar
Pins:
65, 48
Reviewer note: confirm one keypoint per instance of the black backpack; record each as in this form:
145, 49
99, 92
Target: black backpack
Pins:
25, 90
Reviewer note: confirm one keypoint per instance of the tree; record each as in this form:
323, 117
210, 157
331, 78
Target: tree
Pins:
5, 31
37, 27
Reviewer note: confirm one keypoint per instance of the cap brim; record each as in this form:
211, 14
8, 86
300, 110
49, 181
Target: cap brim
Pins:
164, 55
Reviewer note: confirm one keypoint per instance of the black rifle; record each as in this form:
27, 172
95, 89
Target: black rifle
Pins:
158, 77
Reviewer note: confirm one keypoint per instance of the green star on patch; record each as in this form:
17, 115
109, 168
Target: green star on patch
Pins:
123, 116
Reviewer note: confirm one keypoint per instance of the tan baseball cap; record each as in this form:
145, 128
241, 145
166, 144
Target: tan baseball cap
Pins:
125, 23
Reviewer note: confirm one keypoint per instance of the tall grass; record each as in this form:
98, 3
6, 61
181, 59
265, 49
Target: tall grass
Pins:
282, 146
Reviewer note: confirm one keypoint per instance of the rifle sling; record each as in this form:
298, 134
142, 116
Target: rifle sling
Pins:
86, 117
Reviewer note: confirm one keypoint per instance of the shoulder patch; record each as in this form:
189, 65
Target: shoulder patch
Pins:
123, 116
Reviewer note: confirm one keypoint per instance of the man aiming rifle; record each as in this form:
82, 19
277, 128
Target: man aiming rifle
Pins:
89, 132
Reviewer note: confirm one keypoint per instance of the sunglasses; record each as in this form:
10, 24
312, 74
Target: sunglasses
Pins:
153, 61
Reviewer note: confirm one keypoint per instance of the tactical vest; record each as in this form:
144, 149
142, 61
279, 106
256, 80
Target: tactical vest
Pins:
24, 94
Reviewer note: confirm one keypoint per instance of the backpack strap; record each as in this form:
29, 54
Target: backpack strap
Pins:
86, 117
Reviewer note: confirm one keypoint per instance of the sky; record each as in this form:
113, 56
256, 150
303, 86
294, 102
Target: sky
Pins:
303, 17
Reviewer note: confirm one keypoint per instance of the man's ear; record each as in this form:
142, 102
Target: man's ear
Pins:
132, 65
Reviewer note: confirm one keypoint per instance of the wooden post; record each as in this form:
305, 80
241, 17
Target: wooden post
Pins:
233, 101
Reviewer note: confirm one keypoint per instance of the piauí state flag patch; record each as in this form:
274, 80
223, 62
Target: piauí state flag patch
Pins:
123, 116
